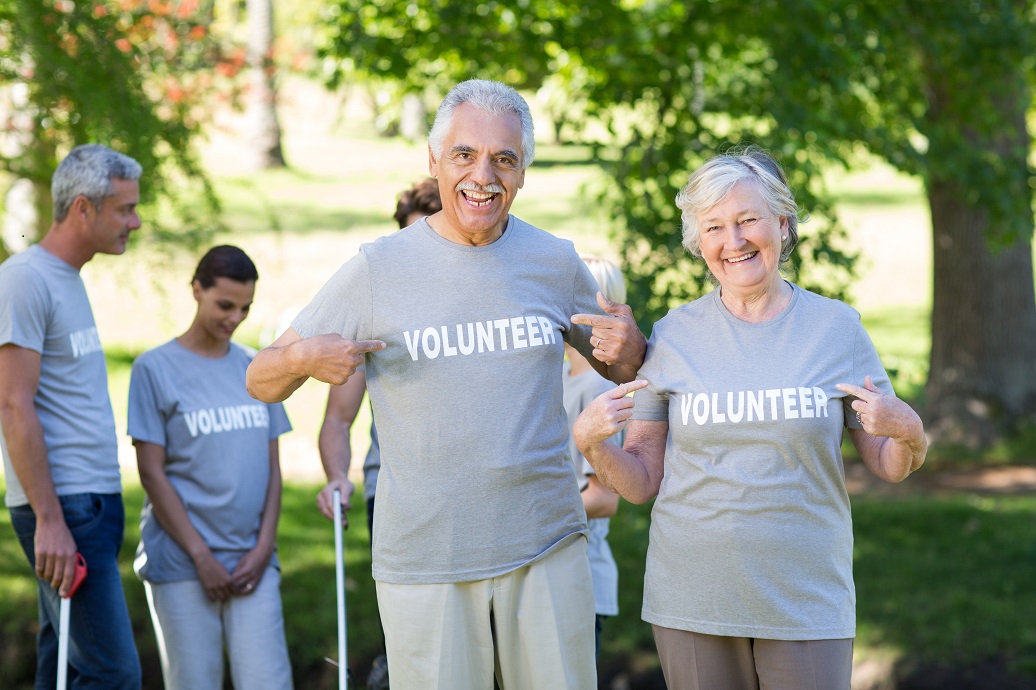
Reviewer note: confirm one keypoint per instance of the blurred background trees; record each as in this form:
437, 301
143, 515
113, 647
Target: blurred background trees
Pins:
938, 90
942, 91
136, 75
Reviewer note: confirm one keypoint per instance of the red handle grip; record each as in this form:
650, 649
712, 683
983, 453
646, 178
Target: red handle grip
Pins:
79, 576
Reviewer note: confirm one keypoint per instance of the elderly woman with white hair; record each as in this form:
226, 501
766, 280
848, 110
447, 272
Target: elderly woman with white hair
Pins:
736, 427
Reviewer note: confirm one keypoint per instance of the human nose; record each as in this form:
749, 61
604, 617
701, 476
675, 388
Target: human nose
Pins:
483, 171
134, 223
735, 238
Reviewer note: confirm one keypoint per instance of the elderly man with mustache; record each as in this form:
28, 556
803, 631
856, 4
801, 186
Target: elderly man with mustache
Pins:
480, 534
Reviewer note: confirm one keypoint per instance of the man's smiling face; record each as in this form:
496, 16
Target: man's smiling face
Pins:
480, 172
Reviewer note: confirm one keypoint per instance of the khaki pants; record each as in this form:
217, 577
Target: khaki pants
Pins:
532, 628
693, 661
192, 631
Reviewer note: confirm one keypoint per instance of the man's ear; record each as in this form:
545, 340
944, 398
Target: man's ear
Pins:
81, 205
433, 165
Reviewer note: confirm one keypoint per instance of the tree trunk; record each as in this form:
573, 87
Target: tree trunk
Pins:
413, 118
982, 379
261, 114
26, 215
27, 204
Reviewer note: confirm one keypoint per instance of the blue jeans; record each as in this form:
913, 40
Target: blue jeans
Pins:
101, 652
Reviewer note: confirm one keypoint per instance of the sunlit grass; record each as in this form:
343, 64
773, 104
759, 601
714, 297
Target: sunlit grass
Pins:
902, 336
948, 580
939, 580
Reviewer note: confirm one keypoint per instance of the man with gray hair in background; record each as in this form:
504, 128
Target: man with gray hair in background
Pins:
57, 430
461, 318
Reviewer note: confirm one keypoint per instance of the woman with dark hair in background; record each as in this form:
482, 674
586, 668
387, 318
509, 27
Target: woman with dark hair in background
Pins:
208, 459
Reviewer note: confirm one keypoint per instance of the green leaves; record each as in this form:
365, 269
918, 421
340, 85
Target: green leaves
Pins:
121, 73
924, 84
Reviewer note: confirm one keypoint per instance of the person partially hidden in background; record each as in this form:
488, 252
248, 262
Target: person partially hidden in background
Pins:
580, 386
343, 404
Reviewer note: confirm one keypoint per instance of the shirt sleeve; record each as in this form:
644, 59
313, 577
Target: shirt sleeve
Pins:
279, 423
584, 301
145, 422
652, 403
24, 306
342, 306
866, 362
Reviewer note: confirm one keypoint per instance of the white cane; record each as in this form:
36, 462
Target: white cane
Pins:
64, 613
343, 659
63, 643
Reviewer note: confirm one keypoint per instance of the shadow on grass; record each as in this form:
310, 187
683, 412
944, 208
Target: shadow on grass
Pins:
944, 581
886, 197
565, 155
948, 583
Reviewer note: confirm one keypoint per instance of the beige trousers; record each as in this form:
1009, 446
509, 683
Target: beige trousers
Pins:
693, 661
532, 628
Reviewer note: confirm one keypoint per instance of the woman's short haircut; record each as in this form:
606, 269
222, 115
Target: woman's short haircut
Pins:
422, 198
608, 276
225, 261
88, 171
710, 184
490, 97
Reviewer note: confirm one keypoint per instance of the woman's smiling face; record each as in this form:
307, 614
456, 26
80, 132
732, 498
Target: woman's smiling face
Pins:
222, 307
741, 240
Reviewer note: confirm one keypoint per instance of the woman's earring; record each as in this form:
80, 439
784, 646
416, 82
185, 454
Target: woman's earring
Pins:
783, 237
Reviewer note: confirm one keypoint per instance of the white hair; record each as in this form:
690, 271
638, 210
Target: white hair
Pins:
88, 170
490, 97
711, 183
608, 276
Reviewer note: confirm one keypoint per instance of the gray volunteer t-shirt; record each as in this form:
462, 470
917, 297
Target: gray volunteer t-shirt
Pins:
371, 465
475, 480
580, 391
751, 533
217, 444
44, 308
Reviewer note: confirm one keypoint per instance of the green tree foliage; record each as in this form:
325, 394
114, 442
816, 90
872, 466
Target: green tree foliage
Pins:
436, 43
676, 83
425, 47
645, 70
938, 89
126, 73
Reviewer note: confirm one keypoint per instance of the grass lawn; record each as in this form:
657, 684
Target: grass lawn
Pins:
947, 582
940, 581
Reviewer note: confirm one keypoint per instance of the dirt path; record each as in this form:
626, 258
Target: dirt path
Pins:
1013, 479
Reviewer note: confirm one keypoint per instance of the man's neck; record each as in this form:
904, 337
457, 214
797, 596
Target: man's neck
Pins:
62, 242
442, 227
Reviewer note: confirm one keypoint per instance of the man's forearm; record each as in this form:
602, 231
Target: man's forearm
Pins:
23, 435
621, 373
271, 376
335, 450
